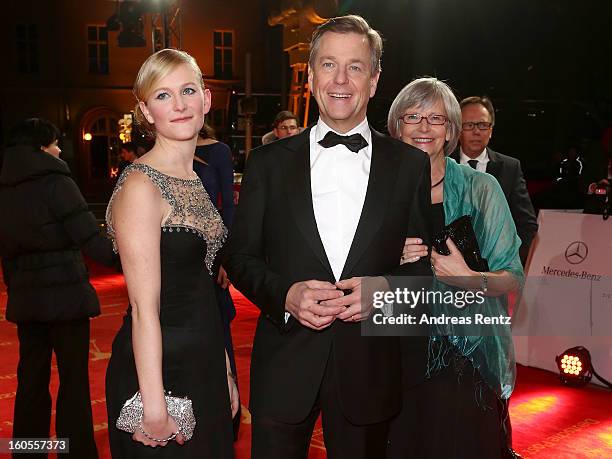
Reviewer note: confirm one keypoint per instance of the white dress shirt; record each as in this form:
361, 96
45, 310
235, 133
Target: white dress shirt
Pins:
338, 181
482, 158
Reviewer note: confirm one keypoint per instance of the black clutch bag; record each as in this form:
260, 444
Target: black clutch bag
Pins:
462, 234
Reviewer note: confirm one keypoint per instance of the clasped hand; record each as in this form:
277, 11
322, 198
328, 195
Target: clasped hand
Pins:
316, 304
161, 428
447, 268
452, 265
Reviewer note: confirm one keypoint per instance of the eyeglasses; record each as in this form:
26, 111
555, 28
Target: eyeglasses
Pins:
416, 118
470, 125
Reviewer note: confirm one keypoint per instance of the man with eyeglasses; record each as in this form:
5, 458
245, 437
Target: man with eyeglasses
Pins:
285, 124
478, 119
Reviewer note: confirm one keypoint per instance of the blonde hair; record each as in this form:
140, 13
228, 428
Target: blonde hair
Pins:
156, 67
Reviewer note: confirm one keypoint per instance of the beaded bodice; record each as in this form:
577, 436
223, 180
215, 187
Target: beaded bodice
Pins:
191, 209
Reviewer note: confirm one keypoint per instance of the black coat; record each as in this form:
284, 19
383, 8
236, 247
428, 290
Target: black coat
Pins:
274, 242
44, 226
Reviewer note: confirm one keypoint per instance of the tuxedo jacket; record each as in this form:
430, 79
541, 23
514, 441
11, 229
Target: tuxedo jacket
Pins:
508, 172
274, 242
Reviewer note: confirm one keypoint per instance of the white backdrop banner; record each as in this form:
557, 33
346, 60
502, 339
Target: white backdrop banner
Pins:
567, 299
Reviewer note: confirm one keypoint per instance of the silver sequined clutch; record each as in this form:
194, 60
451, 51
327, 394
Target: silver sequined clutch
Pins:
179, 408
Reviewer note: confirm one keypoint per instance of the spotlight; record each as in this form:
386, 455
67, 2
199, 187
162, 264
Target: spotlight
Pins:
129, 23
113, 24
575, 367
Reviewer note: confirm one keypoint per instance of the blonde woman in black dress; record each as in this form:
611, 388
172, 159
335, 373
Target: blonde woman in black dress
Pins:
167, 233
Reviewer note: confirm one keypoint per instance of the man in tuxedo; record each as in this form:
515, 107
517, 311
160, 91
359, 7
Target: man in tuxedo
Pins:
318, 213
478, 119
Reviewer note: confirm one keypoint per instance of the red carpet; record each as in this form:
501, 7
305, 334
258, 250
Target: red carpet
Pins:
549, 420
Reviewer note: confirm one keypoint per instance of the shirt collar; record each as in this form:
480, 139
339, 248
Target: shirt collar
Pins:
482, 157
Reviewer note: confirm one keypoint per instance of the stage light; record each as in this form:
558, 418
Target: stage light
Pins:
128, 21
113, 24
87, 136
576, 368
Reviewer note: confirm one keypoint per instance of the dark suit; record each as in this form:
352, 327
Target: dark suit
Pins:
508, 172
275, 243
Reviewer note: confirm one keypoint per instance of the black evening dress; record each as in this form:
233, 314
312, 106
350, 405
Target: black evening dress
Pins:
453, 414
192, 337
216, 170
461, 412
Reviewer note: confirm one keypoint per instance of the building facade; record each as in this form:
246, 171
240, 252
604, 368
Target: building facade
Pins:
63, 63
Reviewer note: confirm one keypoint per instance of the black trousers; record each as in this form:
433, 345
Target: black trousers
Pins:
272, 439
32, 417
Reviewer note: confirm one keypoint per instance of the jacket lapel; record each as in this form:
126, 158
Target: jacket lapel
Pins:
456, 156
383, 171
300, 194
494, 166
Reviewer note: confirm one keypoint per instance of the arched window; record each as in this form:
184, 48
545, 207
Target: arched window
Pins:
99, 149
103, 146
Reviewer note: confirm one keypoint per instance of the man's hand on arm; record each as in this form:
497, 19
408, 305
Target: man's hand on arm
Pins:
305, 301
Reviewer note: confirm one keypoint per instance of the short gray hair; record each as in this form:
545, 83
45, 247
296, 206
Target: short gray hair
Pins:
424, 92
347, 24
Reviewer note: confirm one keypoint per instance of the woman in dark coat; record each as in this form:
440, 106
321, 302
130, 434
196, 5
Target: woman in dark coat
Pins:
45, 226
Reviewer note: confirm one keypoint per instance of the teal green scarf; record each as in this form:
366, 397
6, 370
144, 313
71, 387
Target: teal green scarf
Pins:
469, 192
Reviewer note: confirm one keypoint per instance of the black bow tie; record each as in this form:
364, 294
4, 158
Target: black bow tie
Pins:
353, 142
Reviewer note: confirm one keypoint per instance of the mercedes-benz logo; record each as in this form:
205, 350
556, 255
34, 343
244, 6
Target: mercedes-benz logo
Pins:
576, 252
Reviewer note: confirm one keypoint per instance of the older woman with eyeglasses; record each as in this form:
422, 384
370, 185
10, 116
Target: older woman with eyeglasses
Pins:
459, 408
